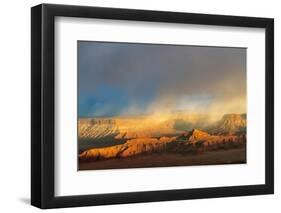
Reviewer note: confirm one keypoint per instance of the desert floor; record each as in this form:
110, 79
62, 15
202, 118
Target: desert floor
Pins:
232, 156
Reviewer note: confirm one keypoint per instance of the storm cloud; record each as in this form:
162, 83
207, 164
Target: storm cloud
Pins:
129, 78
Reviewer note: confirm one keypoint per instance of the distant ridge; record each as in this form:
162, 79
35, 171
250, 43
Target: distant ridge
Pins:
144, 127
230, 123
97, 128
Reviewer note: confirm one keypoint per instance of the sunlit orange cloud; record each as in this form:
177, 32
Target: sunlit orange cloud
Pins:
165, 106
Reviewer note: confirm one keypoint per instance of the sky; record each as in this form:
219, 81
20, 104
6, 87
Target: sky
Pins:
116, 79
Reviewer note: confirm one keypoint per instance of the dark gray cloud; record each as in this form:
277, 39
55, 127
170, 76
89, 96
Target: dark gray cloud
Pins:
147, 78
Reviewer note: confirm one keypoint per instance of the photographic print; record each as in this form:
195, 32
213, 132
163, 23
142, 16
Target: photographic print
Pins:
119, 95
159, 105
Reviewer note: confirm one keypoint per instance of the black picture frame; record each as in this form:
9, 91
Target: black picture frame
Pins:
43, 102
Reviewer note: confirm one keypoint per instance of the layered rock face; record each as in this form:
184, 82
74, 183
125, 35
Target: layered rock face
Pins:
138, 126
196, 134
230, 123
141, 139
130, 148
97, 128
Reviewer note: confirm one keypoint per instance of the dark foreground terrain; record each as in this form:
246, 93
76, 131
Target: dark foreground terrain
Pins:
232, 156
